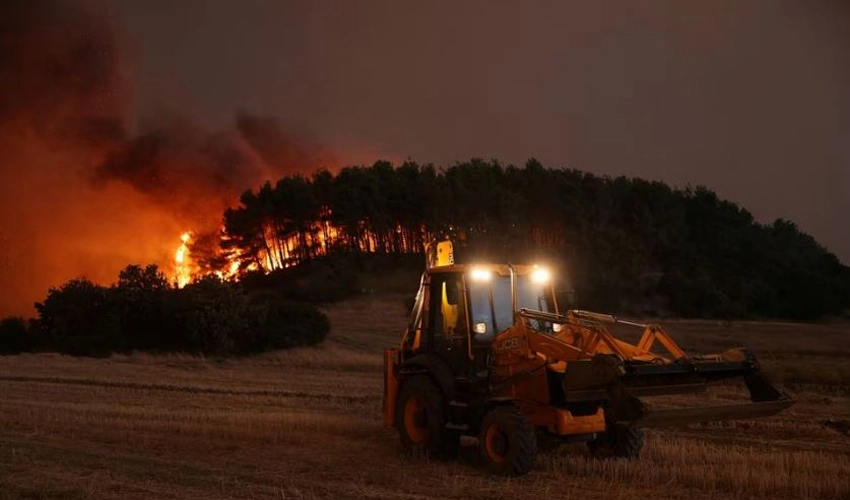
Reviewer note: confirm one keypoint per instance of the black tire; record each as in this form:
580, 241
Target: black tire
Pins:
420, 420
507, 441
618, 441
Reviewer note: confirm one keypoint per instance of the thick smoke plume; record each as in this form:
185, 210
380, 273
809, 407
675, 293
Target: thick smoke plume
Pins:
80, 195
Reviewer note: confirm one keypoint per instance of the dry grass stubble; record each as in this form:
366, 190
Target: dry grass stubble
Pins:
306, 424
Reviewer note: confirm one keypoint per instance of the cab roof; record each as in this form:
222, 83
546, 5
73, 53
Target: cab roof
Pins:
500, 269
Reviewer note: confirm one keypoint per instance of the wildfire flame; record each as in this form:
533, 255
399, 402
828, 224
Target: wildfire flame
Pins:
233, 269
280, 251
188, 268
182, 262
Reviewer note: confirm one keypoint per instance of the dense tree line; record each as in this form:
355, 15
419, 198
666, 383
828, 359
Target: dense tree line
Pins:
621, 244
142, 311
624, 244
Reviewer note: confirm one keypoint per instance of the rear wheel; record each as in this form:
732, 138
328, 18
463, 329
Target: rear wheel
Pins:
420, 420
618, 441
508, 442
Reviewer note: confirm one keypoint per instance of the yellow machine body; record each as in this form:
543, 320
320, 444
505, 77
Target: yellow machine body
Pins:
487, 341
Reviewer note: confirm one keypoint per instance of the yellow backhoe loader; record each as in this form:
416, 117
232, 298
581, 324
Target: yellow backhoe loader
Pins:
488, 354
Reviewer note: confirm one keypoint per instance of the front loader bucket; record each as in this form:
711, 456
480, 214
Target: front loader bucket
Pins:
766, 401
621, 384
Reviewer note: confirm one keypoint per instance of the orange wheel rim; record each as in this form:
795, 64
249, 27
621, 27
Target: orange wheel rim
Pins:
495, 443
414, 420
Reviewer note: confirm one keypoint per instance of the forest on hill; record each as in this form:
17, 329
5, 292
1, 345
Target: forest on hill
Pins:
617, 245
621, 244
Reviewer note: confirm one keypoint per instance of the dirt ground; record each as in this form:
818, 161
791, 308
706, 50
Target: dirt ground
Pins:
306, 424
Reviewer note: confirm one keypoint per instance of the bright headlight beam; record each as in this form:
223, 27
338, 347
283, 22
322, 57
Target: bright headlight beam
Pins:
480, 275
541, 275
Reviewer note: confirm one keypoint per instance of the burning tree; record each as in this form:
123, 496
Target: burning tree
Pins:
377, 209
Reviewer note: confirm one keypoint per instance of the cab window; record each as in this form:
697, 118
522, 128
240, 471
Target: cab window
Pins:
490, 305
445, 307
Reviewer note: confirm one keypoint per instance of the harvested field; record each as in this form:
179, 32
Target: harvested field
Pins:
306, 424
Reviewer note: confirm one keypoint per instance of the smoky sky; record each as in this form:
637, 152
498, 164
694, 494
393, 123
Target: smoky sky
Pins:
85, 188
125, 123
751, 99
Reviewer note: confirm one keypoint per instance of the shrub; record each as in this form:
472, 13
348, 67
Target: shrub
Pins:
280, 324
141, 311
15, 336
80, 318
213, 314
145, 306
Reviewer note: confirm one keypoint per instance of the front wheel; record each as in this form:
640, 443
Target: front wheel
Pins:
420, 420
618, 441
508, 442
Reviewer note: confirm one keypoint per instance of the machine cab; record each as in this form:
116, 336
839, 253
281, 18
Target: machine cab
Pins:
459, 310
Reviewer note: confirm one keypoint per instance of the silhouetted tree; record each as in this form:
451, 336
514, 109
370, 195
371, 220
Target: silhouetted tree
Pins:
15, 336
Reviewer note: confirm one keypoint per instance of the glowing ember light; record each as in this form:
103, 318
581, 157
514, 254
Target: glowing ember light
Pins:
182, 265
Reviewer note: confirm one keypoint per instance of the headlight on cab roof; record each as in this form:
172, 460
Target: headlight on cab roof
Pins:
540, 275
480, 274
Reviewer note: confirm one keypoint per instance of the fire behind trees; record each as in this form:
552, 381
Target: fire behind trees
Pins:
89, 183
624, 244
